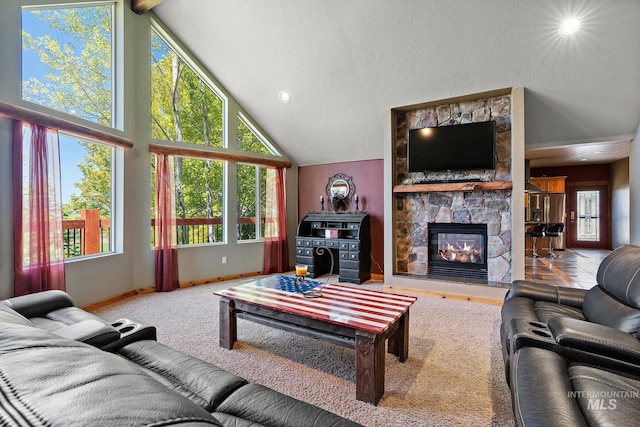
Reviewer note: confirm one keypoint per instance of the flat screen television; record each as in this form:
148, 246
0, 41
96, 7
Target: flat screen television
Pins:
467, 146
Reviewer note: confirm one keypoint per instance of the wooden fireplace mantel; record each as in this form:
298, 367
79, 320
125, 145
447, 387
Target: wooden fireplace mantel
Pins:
453, 186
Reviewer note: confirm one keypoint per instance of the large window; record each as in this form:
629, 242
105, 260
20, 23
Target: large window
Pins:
67, 65
67, 60
184, 106
252, 181
87, 196
199, 199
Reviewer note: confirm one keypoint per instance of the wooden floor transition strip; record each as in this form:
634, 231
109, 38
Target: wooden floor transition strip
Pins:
444, 295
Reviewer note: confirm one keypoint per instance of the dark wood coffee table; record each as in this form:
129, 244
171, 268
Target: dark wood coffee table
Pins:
353, 317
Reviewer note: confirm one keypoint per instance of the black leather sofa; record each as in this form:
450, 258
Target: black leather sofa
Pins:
613, 302
572, 357
49, 379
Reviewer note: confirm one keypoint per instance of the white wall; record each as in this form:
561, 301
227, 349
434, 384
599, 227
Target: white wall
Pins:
96, 279
634, 179
620, 209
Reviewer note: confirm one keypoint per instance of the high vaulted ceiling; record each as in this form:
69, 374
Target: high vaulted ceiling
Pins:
346, 62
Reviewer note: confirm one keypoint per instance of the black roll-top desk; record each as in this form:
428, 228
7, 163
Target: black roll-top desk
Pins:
348, 237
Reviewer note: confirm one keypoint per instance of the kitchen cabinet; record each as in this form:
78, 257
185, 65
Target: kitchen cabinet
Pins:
549, 184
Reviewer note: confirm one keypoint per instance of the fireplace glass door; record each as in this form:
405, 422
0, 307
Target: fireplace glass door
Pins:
458, 250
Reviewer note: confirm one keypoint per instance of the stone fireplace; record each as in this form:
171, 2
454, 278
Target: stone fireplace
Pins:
418, 207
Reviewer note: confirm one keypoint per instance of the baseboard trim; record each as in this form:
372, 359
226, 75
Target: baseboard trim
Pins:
190, 283
100, 304
187, 284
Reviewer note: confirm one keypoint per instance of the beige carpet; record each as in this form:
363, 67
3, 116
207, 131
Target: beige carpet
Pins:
453, 377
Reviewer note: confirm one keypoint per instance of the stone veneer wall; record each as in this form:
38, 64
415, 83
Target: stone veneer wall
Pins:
415, 210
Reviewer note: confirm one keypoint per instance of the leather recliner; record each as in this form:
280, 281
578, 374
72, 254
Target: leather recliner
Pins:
613, 302
582, 374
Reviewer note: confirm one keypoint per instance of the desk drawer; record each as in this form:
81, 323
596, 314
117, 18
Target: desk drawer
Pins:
349, 265
354, 274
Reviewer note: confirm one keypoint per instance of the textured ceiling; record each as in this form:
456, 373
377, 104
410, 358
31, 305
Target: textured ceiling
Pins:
347, 62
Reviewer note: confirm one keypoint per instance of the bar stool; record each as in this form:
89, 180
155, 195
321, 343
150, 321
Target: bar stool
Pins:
553, 232
535, 232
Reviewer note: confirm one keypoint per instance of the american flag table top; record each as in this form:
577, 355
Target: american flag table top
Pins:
355, 307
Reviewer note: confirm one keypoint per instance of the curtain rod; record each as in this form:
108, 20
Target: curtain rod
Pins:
25, 115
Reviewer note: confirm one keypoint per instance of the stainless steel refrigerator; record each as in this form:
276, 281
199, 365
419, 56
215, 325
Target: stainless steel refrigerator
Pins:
548, 208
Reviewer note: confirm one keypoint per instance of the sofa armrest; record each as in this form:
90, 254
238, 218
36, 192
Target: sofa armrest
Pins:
596, 339
543, 292
40, 303
89, 331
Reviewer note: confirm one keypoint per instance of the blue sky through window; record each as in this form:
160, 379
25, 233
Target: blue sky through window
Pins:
71, 151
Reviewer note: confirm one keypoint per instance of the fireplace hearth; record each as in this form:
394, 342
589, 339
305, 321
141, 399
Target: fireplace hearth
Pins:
457, 250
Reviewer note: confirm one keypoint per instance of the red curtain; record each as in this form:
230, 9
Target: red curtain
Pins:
166, 250
37, 210
276, 248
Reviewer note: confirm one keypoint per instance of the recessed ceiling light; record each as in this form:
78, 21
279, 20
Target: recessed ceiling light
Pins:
583, 160
569, 26
284, 97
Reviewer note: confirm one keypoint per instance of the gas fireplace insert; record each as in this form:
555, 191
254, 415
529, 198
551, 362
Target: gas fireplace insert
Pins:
458, 250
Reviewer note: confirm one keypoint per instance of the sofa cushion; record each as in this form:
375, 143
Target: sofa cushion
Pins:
201, 382
546, 310
540, 388
619, 275
270, 408
605, 398
77, 324
600, 307
232, 400
52, 381
9, 315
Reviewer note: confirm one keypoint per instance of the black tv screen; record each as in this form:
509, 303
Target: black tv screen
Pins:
456, 147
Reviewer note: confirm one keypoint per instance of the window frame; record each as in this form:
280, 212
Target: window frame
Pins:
79, 128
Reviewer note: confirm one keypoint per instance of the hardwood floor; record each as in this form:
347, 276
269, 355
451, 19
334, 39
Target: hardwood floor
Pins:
575, 268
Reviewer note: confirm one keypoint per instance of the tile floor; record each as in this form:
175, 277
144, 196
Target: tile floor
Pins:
574, 268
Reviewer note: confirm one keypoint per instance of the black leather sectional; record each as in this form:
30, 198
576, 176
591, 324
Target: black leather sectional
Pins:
63, 366
572, 357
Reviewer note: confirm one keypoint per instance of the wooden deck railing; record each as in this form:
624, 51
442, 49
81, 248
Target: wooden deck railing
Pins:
92, 235
86, 236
